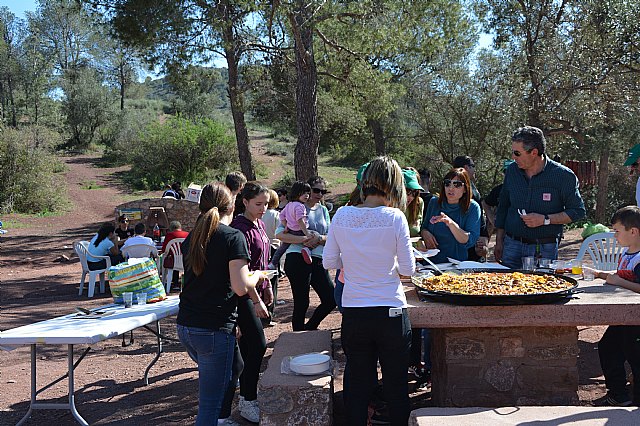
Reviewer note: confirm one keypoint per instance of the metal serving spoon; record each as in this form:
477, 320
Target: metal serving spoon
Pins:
419, 254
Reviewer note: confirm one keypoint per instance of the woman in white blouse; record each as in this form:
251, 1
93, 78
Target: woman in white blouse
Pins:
370, 243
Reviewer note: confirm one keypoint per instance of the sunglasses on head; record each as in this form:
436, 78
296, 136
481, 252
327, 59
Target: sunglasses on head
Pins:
319, 191
455, 183
518, 153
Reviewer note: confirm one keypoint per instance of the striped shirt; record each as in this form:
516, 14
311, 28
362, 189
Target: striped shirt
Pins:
553, 190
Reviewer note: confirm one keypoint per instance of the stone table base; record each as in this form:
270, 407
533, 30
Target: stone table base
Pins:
493, 367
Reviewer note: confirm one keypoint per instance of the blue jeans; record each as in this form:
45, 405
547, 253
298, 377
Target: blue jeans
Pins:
213, 352
513, 251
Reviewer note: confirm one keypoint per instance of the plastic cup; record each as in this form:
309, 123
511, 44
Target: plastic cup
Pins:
528, 263
142, 298
576, 267
588, 274
558, 265
128, 299
544, 263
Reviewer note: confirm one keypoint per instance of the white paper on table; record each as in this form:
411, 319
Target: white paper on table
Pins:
468, 264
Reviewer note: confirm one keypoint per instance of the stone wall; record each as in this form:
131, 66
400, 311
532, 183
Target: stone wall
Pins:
494, 367
181, 210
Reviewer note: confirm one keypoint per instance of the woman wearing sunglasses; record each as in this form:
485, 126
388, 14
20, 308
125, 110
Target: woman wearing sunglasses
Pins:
452, 221
302, 276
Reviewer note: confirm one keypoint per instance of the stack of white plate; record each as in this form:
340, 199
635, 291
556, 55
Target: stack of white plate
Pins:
310, 364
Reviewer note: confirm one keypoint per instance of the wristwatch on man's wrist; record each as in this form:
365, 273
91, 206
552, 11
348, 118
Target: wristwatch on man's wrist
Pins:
547, 221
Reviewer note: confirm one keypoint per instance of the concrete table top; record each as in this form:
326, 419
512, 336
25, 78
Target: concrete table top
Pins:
596, 304
472, 416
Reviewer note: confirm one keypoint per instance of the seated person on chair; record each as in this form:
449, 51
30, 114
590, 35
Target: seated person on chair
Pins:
139, 238
122, 230
175, 231
621, 343
103, 244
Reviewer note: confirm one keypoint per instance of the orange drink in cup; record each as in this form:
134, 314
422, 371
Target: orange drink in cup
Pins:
576, 267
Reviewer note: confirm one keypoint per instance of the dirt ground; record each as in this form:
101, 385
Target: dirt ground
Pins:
35, 286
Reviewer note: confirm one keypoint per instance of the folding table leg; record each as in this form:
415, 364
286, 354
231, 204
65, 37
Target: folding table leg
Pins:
52, 406
33, 386
153, 361
72, 402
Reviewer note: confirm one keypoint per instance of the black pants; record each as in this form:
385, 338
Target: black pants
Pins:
252, 345
102, 264
416, 347
302, 276
369, 335
620, 343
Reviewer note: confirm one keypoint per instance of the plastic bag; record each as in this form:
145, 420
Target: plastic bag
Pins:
593, 228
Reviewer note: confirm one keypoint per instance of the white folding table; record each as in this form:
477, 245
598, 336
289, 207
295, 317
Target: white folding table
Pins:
70, 330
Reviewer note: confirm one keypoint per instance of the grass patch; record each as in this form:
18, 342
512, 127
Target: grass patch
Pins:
91, 184
336, 175
13, 224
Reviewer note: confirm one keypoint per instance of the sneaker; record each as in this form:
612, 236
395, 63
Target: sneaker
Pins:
617, 401
417, 370
227, 422
271, 266
249, 410
306, 255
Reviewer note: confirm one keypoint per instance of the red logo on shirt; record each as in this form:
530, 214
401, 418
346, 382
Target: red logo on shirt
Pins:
546, 196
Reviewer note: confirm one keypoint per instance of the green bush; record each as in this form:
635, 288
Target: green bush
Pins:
123, 133
180, 149
28, 179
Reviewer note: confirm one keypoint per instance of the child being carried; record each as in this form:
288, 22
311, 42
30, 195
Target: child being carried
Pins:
295, 220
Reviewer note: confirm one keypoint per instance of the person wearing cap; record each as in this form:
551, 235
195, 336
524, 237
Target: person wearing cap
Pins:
480, 250
632, 161
538, 197
415, 205
490, 202
354, 197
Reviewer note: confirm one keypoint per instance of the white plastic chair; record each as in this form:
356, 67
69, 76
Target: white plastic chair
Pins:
82, 249
603, 249
139, 250
174, 248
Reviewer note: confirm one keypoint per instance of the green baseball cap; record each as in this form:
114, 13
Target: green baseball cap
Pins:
411, 180
361, 172
634, 154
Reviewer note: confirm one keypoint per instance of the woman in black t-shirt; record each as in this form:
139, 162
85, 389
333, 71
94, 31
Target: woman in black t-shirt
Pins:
122, 230
217, 271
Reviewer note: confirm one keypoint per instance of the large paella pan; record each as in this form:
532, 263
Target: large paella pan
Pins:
495, 287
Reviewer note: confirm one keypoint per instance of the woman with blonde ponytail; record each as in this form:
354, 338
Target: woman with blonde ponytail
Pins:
216, 273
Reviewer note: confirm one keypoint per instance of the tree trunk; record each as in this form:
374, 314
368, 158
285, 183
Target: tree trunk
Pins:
378, 136
236, 100
603, 183
122, 83
14, 121
306, 152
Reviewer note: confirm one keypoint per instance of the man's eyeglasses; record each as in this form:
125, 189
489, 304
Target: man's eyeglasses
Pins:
518, 153
319, 191
455, 183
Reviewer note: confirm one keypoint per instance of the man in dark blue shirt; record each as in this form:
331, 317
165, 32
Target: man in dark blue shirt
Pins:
539, 195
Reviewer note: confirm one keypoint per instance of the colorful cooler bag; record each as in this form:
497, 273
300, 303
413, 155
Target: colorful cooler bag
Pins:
136, 276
